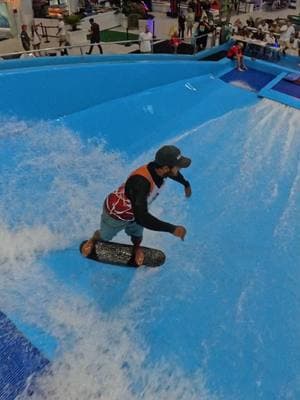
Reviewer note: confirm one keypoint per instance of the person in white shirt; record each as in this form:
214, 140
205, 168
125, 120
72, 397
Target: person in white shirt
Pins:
61, 34
145, 41
270, 38
286, 32
35, 38
189, 19
263, 26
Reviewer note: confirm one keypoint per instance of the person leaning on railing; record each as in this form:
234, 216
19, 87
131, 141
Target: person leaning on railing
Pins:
201, 32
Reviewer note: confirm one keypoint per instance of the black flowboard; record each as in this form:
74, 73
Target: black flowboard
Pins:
121, 254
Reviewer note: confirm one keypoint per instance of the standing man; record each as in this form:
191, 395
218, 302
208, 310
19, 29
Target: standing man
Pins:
181, 24
145, 39
127, 207
94, 36
25, 39
287, 31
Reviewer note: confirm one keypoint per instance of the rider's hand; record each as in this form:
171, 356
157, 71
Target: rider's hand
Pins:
188, 191
180, 232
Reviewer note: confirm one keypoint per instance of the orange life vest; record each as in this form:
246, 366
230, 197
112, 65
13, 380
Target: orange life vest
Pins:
117, 203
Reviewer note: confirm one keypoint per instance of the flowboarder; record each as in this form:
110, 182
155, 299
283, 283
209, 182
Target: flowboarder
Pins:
127, 207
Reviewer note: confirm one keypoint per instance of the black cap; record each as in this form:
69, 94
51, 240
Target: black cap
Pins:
171, 156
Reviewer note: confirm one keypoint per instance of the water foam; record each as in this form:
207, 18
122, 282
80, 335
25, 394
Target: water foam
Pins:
52, 199
241, 163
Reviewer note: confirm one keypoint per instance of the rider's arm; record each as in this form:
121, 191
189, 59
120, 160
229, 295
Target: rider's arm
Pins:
180, 178
137, 189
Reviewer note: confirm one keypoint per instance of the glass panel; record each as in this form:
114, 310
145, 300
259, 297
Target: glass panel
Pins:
4, 19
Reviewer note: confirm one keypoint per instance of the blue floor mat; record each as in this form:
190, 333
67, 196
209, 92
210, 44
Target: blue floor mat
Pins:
290, 88
252, 79
18, 360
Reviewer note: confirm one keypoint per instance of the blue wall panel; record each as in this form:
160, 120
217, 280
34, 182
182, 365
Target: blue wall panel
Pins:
52, 92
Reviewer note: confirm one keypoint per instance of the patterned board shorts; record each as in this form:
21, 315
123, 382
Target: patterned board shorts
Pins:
110, 227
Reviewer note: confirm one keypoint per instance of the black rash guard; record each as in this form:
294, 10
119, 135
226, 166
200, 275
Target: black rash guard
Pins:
137, 189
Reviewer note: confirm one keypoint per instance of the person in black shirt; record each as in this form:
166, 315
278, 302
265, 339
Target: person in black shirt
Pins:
127, 207
181, 24
94, 36
25, 39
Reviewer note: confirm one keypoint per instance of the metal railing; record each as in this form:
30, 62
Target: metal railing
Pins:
63, 50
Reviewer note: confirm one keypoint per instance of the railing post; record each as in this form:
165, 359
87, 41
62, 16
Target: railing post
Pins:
46, 34
127, 37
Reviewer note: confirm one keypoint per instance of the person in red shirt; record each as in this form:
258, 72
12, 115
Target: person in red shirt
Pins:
175, 41
236, 53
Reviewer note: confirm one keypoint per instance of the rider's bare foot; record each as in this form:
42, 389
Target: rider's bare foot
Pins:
139, 256
89, 244
87, 247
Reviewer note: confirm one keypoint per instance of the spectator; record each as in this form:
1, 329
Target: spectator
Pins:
61, 34
198, 11
259, 35
206, 6
263, 26
181, 24
296, 43
35, 37
271, 40
215, 6
287, 31
226, 32
25, 39
250, 22
94, 36
192, 5
88, 8
201, 32
190, 18
238, 26
236, 53
175, 41
145, 41
208, 24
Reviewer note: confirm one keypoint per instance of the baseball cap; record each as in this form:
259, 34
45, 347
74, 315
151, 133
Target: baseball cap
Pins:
171, 156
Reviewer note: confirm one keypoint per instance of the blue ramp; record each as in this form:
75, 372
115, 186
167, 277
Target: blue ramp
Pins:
220, 320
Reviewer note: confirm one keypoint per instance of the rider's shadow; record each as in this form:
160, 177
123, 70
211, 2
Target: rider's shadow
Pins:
103, 285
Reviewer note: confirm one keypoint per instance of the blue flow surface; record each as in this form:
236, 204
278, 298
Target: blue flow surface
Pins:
220, 320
